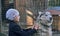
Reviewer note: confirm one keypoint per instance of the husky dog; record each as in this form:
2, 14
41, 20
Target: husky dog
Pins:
44, 20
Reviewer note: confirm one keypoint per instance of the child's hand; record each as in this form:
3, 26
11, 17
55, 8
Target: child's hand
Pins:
36, 26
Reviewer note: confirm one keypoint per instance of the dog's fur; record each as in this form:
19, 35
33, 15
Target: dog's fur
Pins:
44, 20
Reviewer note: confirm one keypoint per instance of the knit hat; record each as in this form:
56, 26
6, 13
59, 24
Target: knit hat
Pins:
11, 13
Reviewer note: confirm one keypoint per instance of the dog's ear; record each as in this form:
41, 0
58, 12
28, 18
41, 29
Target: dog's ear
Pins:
40, 13
38, 17
48, 13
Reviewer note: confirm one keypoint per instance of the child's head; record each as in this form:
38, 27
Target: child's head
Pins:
13, 14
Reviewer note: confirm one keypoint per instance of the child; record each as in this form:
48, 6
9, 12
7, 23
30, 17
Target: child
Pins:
12, 15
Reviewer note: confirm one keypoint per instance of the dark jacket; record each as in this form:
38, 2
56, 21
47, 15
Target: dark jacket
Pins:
16, 30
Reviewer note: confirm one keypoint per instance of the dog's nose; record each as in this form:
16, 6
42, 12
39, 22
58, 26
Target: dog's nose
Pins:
51, 18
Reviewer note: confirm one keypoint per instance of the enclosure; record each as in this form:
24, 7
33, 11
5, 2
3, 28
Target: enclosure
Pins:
28, 10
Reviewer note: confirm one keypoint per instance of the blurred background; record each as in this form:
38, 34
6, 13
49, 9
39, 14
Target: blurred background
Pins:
28, 10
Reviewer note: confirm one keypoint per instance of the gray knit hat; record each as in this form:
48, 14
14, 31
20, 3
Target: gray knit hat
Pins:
11, 13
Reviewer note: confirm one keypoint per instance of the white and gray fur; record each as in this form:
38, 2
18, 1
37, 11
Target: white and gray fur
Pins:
44, 20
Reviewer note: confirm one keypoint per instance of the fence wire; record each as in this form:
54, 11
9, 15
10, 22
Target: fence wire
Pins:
33, 6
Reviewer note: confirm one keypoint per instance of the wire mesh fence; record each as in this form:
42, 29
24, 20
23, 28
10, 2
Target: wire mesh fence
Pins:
33, 6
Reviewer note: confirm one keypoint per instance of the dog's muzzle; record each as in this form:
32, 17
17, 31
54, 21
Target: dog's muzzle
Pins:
50, 20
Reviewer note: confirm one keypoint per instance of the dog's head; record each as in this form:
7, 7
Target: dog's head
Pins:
45, 18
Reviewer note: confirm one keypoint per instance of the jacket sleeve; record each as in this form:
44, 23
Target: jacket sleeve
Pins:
18, 30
